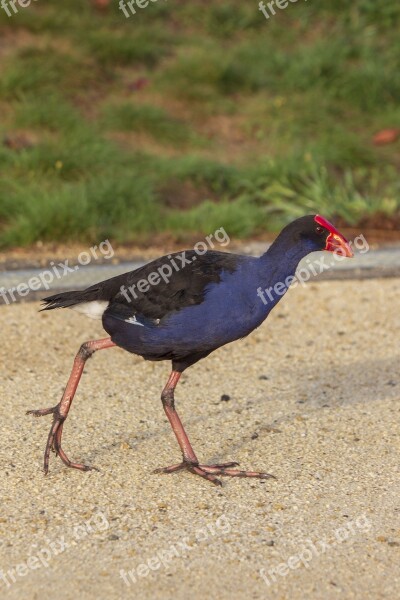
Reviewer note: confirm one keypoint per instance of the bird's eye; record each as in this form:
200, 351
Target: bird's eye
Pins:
319, 230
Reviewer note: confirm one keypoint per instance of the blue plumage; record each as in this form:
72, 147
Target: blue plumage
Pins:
212, 300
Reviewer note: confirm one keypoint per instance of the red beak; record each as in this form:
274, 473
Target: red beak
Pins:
335, 242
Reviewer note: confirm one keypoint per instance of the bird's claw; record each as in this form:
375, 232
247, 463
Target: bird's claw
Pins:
54, 440
41, 412
209, 472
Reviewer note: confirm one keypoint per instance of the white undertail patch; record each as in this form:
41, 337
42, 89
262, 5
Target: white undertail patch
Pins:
93, 309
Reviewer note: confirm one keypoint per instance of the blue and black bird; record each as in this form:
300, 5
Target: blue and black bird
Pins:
212, 300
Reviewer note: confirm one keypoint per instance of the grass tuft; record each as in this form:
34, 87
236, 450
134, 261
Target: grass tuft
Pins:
242, 122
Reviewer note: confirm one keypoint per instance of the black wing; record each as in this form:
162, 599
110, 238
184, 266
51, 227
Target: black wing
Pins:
184, 284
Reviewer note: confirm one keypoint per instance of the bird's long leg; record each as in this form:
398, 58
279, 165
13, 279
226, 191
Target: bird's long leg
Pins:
190, 461
60, 411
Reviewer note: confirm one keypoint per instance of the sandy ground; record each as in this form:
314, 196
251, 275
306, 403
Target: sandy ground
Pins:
314, 399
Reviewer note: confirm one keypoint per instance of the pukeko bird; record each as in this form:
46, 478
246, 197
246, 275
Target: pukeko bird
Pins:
209, 300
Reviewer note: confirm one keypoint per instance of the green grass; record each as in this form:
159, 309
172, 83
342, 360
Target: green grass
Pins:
145, 118
241, 122
145, 46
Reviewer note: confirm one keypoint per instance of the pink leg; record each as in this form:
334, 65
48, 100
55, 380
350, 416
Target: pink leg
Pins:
190, 461
60, 411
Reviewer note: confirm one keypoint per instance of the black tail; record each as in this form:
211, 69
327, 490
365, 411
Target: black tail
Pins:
66, 299
104, 290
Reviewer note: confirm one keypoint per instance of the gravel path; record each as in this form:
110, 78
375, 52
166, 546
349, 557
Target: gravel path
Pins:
312, 397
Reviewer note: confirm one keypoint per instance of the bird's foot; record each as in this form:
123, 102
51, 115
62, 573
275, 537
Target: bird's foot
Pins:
209, 472
54, 439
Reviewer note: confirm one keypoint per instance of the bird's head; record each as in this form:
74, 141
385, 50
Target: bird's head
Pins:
313, 233
330, 238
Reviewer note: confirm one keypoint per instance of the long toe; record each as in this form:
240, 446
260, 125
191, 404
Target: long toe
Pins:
72, 465
223, 470
225, 465
205, 474
194, 468
209, 472
41, 412
54, 440
171, 469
